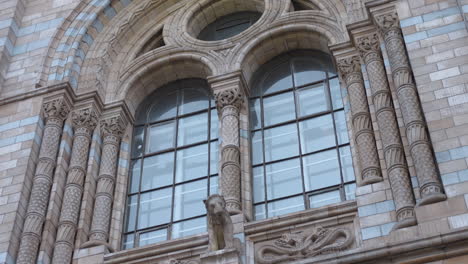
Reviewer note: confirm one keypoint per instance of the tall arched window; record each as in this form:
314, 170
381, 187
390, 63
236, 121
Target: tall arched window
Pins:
301, 156
174, 164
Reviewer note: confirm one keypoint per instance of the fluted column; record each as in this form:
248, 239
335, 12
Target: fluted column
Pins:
229, 99
420, 146
112, 129
394, 153
84, 121
350, 69
55, 112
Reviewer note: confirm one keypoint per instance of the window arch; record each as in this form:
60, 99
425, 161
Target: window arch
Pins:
173, 164
229, 25
301, 156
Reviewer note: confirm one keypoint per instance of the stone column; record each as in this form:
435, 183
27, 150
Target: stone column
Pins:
350, 69
229, 96
112, 129
84, 121
55, 112
394, 153
420, 146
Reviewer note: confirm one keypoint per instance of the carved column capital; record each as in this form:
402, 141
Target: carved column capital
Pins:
348, 66
113, 126
85, 118
229, 97
57, 109
368, 43
387, 21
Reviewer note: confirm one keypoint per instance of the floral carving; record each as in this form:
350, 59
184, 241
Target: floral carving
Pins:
368, 43
57, 108
113, 126
85, 117
303, 245
349, 65
387, 21
229, 97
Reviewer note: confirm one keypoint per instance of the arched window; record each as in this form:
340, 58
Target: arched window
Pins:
229, 25
301, 156
173, 164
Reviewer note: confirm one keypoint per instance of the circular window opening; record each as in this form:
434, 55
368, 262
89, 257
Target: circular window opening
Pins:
229, 25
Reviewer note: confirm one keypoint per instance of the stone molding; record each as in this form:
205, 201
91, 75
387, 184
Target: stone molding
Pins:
368, 44
55, 111
431, 189
350, 70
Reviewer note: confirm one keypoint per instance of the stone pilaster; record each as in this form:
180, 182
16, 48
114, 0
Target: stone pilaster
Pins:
368, 45
55, 112
84, 121
112, 128
416, 129
229, 96
350, 69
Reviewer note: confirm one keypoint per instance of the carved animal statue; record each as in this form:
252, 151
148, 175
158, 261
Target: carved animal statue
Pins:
220, 229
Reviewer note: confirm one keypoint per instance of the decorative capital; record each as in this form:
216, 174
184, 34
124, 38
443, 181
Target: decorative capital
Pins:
349, 65
387, 21
229, 97
114, 126
368, 43
84, 118
57, 108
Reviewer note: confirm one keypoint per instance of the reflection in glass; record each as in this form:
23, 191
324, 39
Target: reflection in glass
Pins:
281, 142
258, 184
128, 241
193, 100
157, 171
321, 170
255, 114
137, 143
286, 206
135, 178
192, 129
335, 92
214, 185
317, 133
318, 200
153, 237
257, 148
350, 191
311, 100
214, 130
192, 163
260, 212
278, 109
130, 221
161, 136
188, 199
214, 157
163, 105
277, 80
306, 72
189, 227
341, 128
155, 208
283, 179
347, 164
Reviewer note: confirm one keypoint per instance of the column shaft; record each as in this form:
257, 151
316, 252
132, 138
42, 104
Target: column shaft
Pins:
394, 152
420, 146
84, 122
55, 113
350, 69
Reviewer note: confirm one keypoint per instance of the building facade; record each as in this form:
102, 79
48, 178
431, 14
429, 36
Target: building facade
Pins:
336, 131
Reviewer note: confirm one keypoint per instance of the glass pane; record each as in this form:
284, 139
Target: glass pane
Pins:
341, 128
158, 171
193, 99
137, 143
347, 164
132, 202
260, 212
317, 133
128, 241
192, 129
276, 80
321, 170
214, 155
163, 104
318, 200
192, 163
258, 184
188, 199
214, 129
161, 136
286, 206
257, 148
278, 108
135, 179
214, 185
281, 142
153, 237
189, 227
307, 71
283, 179
335, 91
350, 191
155, 208
311, 100
255, 114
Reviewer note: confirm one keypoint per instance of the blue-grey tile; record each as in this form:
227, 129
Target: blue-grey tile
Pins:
385, 206
441, 14
411, 21
367, 210
446, 29
450, 178
443, 156
371, 232
463, 175
386, 228
415, 37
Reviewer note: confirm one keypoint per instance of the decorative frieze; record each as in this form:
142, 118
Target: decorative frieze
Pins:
416, 129
55, 112
350, 69
84, 121
398, 174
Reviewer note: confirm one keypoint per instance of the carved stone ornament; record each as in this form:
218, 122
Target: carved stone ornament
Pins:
220, 228
86, 117
113, 126
229, 97
349, 65
57, 108
295, 246
368, 43
387, 21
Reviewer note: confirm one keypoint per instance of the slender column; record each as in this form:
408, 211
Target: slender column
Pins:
420, 147
84, 121
229, 101
350, 68
55, 112
112, 129
394, 153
